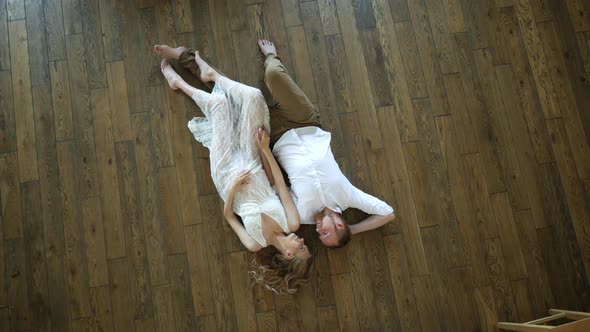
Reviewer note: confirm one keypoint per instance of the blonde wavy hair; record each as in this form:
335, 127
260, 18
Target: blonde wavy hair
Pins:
278, 273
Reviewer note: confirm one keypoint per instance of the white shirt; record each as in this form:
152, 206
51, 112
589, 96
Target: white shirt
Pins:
316, 180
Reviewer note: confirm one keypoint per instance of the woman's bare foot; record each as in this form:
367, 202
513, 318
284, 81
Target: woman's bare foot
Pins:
170, 75
208, 74
267, 47
169, 52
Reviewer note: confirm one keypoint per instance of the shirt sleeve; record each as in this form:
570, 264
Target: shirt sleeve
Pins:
367, 203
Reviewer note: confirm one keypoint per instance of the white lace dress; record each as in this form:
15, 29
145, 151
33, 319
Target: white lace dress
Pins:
233, 114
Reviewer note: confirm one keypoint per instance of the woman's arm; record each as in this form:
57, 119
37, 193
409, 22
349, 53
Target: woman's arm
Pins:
233, 221
267, 169
291, 212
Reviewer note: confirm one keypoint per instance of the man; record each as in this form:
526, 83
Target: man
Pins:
302, 148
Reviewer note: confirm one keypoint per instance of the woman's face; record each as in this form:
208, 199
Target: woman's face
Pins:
297, 247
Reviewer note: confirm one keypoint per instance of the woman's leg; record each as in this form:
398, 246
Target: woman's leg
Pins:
176, 82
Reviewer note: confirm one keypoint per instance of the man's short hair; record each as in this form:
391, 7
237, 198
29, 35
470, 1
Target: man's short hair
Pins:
343, 235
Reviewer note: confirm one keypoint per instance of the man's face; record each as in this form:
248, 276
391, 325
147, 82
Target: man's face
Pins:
326, 226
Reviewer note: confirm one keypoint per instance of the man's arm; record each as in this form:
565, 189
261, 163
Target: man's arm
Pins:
372, 222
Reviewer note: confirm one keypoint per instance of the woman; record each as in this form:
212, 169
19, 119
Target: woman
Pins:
232, 130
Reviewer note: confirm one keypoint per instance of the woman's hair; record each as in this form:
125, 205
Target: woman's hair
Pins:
278, 273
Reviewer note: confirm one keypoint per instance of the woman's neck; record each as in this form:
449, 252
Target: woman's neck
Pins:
277, 240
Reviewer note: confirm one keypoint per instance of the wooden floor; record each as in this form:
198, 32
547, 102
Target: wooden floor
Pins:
471, 118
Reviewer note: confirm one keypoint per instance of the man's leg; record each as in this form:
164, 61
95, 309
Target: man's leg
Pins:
294, 110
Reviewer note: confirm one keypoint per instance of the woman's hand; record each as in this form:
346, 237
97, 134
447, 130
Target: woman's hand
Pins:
262, 140
242, 180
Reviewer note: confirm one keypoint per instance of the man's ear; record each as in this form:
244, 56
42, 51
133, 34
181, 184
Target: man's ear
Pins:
289, 254
339, 223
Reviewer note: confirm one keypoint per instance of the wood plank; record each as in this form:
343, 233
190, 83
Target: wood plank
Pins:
23, 103
579, 12
77, 268
182, 301
347, 313
170, 208
197, 262
110, 24
364, 14
425, 303
150, 69
72, 16
145, 325
498, 46
275, 26
329, 17
328, 318
35, 257
291, 12
429, 58
107, 166
242, 294
474, 13
133, 55
93, 46
513, 256
61, 100
442, 36
375, 57
120, 286
461, 285
119, 103
3, 277
522, 143
454, 13
302, 72
15, 9
150, 205
54, 27
37, 43
5, 52
183, 14
183, 159
478, 110
486, 308
18, 299
82, 116
225, 312
266, 321
499, 135
399, 10
401, 282
305, 304
94, 242
5, 318
134, 233
402, 196
164, 311
160, 122
11, 196
541, 10
287, 316
395, 70
573, 188
102, 316
321, 282
542, 297
466, 136
506, 309
340, 75
356, 64
8, 130
408, 49
373, 292
437, 265
522, 299
567, 102
537, 59
236, 17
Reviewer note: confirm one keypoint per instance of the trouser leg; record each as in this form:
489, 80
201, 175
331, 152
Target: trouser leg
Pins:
293, 109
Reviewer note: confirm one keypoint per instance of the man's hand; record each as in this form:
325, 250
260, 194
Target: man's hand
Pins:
242, 180
262, 140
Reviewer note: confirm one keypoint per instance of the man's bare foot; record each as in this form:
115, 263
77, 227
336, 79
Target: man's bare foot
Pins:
169, 52
267, 47
208, 74
170, 75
